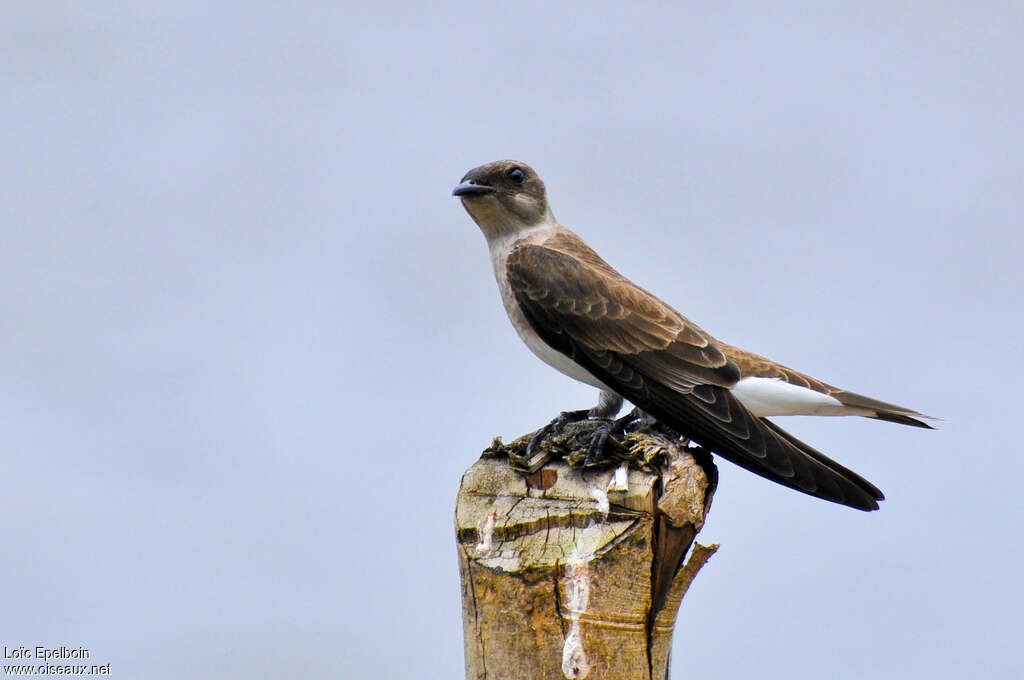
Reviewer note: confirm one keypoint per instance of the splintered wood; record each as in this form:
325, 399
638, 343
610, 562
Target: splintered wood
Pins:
575, 573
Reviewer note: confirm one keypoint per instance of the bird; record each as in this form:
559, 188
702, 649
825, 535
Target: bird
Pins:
585, 319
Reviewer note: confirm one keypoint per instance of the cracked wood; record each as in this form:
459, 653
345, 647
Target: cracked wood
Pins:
557, 583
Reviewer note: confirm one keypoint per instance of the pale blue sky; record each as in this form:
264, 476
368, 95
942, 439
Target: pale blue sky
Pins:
248, 342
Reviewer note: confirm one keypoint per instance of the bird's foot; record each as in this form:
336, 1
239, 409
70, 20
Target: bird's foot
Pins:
597, 451
564, 418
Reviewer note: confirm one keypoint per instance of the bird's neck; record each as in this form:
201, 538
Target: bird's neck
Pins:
499, 243
498, 223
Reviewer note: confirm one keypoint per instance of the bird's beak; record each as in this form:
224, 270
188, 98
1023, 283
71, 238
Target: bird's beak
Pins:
469, 188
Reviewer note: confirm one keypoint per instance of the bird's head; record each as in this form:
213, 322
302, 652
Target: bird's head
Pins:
504, 197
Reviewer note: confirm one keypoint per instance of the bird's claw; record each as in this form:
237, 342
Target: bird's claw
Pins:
555, 425
597, 451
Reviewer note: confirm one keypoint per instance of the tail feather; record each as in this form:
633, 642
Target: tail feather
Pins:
901, 418
881, 410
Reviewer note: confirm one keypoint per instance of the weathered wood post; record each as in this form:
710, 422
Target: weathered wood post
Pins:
578, 572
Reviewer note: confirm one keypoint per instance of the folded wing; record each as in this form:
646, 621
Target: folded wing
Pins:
664, 364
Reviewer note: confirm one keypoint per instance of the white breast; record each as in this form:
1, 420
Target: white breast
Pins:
499, 254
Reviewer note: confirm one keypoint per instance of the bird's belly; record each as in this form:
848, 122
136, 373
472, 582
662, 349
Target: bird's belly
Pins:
775, 397
557, 360
544, 352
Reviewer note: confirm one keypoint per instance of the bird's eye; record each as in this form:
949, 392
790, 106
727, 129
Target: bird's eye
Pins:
516, 175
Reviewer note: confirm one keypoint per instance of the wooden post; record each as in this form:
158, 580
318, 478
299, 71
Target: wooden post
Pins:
574, 573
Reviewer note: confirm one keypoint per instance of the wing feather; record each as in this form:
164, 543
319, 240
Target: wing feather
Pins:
664, 364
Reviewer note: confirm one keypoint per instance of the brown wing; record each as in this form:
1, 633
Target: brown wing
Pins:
667, 366
598, 307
